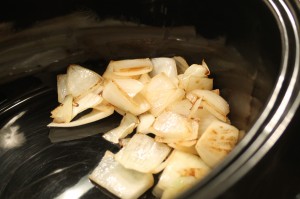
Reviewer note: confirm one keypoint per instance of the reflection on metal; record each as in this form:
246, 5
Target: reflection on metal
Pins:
78, 190
10, 137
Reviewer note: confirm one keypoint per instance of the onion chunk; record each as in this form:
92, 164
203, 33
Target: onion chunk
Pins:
124, 183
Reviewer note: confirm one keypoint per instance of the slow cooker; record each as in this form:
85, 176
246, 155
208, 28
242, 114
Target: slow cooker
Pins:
252, 48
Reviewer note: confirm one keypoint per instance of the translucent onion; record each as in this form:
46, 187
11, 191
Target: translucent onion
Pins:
122, 182
164, 65
161, 92
181, 167
174, 126
127, 125
146, 121
213, 102
131, 67
93, 116
130, 86
63, 113
80, 80
90, 100
216, 142
181, 64
62, 90
182, 107
142, 154
121, 100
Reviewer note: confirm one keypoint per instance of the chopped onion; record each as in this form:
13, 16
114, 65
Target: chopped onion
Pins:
204, 118
181, 166
80, 79
146, 121
120, 99
131, 67
164, 65
187, 149
213, 102
216, 142
160, 92
183, 112
90, 100
124, 183
130, 86
62, 90
63, 113
127, 125
93, 116
142, 154
181, 64
172, 125
182, 107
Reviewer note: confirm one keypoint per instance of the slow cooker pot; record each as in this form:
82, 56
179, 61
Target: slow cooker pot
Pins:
252, 49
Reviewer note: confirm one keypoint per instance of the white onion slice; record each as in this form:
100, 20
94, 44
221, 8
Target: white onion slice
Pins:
186, 149
181, 64
181, 167
62, 90
127, 125
182, 107
130, 86
145, 78
213, 102
172, 125
146, 121
80, 79
93, 116
204, 118
131, 67
90, 100
216, 142
63, 113
124, 183
142, 154
160, 92
164, 65
121, 100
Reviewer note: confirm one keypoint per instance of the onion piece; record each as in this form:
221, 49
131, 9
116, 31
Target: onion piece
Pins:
80, 79
146, 121
193, 82
182, 107
142, 154
90, 100
213, 102
131, 67
121, 100
197, 70
181, 64
122, 182
164, 65
93, 116
110, 75
130, 86
204, 118
180, 168
216, 142
62, 90
160, 92
145, 78
127, 125
186, 149
172, 125
63, 113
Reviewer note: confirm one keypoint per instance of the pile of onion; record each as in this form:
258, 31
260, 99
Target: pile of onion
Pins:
180, 124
